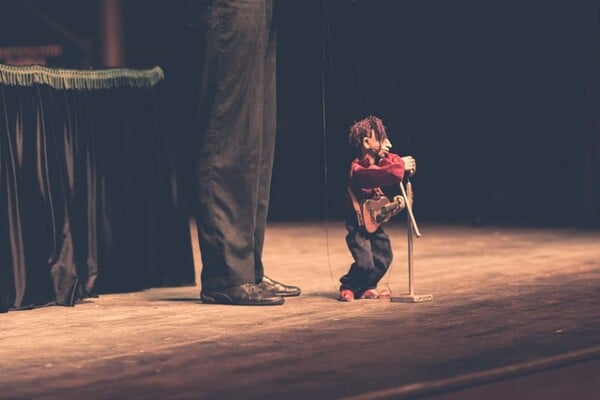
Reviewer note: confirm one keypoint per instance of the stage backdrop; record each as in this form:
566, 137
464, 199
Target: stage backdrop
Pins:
88, 197
492, 98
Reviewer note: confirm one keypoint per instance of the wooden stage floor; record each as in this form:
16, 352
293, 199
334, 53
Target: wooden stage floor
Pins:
515, 314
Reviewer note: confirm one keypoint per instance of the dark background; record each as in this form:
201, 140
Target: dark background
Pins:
491, 98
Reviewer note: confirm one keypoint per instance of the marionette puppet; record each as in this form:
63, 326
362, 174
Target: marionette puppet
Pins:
368, 208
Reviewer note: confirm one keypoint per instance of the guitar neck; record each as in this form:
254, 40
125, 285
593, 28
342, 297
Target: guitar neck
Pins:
390, 207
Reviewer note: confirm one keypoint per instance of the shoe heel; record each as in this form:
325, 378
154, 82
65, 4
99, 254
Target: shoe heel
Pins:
207, 299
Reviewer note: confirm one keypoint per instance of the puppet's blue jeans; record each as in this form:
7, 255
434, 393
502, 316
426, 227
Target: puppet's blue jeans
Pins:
372, 253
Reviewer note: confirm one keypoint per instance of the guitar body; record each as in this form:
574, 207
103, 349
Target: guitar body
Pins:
378, 210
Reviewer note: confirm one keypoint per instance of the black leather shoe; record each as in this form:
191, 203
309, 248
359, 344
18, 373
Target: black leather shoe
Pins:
247, 294
278, 288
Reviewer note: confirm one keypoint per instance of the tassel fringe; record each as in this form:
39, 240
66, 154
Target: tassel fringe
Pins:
79, 79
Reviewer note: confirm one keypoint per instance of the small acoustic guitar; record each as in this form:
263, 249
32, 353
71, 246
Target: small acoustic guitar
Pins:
378, 210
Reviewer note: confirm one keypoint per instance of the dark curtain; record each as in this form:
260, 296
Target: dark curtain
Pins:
488, 96
592, 127
88, 198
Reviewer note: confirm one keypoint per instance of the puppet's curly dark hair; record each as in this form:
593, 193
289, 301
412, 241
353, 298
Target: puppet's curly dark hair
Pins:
361, 129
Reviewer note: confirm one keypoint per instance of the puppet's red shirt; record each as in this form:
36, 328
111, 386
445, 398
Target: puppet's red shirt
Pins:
364, 177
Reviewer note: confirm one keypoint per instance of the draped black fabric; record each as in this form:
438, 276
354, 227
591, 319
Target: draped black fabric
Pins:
88, 197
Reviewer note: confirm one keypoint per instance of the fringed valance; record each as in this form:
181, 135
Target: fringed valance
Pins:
59, 78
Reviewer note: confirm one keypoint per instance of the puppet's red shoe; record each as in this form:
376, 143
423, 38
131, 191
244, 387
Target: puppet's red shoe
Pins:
346, 295
369, 294
385, 294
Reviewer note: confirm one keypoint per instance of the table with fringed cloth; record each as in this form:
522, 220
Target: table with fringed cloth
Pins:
89, 200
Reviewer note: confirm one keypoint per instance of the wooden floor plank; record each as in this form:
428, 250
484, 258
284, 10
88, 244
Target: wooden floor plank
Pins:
502, 295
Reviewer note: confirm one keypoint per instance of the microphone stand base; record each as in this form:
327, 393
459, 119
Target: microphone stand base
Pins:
412, 298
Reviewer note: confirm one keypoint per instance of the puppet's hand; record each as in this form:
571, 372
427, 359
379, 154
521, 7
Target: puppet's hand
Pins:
410, 165
400, 203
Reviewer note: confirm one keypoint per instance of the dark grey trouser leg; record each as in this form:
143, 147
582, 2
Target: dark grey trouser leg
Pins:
229, 162
268, 144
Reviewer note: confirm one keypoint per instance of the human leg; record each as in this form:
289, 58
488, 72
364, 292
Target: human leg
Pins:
228, 162
267, 143
267, 152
